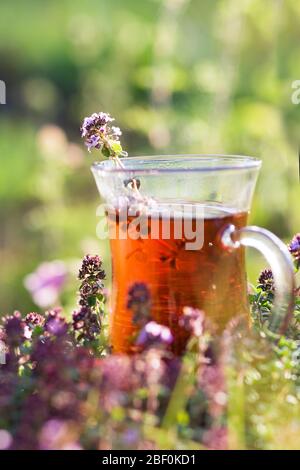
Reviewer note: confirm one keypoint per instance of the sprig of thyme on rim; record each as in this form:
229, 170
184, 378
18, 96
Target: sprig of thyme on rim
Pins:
98, 133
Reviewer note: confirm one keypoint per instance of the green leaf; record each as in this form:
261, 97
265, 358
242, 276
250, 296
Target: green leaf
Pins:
38, 331
106, 152
92, 300
116, 147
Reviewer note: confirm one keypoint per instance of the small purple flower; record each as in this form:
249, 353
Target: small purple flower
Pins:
87, 320
266, 280
138, 294
14, 329
139, 302
95, 121
86, 323
90, 289
33, 319
294, 247
93, 142
154, 334
55, 323
97, 133
46, 283
91, 268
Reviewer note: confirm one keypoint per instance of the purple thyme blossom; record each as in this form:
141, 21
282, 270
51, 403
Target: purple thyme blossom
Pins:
46, 283
93, 142
14, 329
266, 280
55, 323
138, 294
87, 323
294, 247
91, 268
95, 121
32, 320
97, 133
154, 334
87, 320
89, 291
139, 302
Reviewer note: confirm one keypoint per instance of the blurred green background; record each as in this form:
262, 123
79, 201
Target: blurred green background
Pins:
181, 76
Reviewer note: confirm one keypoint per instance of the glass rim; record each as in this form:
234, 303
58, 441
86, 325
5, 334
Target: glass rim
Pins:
223, 163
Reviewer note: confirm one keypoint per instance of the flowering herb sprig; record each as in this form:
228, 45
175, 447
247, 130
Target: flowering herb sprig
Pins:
154, 334
263, 296
87, 321
266, 281
294, 248
98, 133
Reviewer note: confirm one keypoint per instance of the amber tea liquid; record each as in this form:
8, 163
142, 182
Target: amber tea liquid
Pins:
210, 278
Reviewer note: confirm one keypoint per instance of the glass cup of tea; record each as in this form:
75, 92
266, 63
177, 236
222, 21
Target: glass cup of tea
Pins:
179, 225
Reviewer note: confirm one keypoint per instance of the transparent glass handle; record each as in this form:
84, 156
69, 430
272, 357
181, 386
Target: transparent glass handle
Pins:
280, 261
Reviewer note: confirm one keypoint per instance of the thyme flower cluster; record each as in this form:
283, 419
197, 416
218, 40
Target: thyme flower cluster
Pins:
263, 296
98, 133
294, 248
266, 280
87, 319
